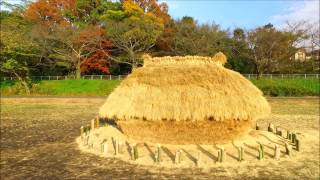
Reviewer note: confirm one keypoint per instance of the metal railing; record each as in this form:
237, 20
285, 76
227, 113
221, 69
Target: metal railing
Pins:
120, 77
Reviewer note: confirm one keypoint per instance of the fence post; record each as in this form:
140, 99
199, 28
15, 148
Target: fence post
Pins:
281, 76
249, 76
100, 77
305, 76
317, 76
4, 78
119, 77
91, 77
49, 78
110, 77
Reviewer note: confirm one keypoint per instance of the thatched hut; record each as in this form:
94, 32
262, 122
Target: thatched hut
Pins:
182, 100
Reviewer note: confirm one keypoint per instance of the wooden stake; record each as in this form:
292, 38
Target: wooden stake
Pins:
278, 131
277, 152
177, 157
87, 140
294, 136
120, 147
221, 155
132, 154
159, 153
297, 144
180, 156
261, 152
87, 130
104, 147
115, 145
199, 159
135, 151
92, 124
257, 126
288, 134
270, 127
240, 153
81, 130
97, 122
288, 149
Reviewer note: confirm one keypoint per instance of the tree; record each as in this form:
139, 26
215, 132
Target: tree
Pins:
194, 39
74, 45
70, 30
98, 61
238, 59
270, 49
18, 52
132, 30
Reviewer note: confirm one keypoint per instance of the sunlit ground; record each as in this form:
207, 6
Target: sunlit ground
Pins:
38, 141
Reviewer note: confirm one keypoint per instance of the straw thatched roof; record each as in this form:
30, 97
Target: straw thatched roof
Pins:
189, 88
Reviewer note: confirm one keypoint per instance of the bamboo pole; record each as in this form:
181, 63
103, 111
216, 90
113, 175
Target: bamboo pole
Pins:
297, 144
199, 159
288, 149
277, 152
92, 124
177, 158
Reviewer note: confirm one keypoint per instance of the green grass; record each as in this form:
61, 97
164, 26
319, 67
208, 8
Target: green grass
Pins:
288, 87
63, 87
270, 87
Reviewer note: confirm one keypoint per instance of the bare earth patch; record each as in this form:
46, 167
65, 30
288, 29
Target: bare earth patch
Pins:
38, 141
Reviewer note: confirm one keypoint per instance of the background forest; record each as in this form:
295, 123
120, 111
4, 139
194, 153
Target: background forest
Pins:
78, 37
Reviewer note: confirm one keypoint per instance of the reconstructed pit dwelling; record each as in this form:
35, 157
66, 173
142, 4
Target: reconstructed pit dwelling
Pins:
184, 107
185, 100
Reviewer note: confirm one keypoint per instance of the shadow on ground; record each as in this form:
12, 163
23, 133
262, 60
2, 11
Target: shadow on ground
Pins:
38, 142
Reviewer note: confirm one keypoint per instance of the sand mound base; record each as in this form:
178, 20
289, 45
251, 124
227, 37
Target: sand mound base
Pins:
172, 132
189, 153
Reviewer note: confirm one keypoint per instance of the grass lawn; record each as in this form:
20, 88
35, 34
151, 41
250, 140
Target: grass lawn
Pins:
38, 142
63, 87
288, 87
270, 87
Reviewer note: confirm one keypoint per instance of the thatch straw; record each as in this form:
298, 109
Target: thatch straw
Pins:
218, 59
172, 132
189, 88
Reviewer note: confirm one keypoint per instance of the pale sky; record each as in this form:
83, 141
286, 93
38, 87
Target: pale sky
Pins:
242, 13
246, 14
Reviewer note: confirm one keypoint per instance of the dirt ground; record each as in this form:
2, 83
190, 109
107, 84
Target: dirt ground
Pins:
38, 142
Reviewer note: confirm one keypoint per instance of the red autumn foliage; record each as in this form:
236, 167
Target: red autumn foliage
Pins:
99, 59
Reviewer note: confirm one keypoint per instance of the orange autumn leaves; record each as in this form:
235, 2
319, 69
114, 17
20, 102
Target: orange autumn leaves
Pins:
65, 14
49, 12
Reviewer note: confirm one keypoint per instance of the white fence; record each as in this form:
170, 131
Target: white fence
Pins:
283, 76
89, 77
120, 77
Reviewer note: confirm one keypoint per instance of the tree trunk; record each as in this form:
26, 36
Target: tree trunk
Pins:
78, 68
259, 73
132, 60
26, 87
24, 83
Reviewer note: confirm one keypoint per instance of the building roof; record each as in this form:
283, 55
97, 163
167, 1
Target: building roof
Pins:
190, 88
